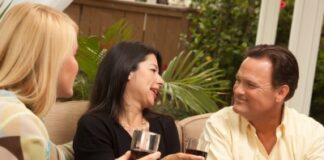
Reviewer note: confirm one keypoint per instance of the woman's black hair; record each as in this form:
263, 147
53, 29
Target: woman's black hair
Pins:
113, 72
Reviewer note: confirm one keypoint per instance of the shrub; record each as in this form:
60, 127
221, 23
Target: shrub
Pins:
222, 30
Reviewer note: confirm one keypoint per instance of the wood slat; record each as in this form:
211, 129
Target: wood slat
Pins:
157, 25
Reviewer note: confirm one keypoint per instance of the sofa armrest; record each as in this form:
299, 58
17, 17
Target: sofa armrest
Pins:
61, 121
192, 127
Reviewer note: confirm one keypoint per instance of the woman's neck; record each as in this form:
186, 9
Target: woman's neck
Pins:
132, 118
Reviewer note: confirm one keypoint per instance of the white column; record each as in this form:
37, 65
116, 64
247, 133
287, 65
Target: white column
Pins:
304, 43
268, 21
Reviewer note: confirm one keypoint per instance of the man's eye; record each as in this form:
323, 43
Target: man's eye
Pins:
237, 81
251, 85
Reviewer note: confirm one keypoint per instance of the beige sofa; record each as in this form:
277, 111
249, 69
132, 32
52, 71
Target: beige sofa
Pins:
61, 122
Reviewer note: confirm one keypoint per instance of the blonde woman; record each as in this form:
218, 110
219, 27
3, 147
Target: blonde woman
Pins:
37, 65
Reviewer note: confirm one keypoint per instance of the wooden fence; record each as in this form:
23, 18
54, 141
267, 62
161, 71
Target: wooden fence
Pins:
157, 25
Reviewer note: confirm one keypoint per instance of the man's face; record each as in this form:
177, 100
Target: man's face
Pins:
254, 96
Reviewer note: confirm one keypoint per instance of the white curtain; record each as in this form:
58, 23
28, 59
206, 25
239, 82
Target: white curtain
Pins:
58, 4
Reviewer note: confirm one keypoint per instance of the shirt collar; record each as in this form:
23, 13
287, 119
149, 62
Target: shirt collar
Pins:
5, 93
284, 120
246, 124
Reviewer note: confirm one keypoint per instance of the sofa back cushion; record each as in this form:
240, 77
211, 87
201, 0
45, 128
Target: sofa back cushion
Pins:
61, 121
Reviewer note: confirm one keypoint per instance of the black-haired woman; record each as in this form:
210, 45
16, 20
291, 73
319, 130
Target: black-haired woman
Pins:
126, 87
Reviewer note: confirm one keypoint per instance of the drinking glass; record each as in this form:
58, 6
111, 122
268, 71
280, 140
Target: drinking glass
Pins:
144, 143
197, 147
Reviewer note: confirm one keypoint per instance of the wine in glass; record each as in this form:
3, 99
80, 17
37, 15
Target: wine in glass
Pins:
144, 143
197, 147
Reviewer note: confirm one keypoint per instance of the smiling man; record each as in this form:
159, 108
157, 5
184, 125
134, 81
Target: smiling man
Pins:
259, 126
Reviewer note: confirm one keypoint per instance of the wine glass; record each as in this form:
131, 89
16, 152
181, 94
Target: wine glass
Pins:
144, 143
197, 147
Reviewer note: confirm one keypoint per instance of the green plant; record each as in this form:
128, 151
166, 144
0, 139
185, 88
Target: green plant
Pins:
284, 23
317, 103
223, 29
91, 49
195, 86
188, 85
5, 9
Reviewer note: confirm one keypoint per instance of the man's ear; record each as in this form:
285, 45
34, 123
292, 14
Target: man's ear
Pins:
282, 93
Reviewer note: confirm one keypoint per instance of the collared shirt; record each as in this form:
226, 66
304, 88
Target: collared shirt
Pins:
232, 137
23, 135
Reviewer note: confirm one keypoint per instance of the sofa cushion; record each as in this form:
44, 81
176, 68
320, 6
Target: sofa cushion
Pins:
61, 121
192, 127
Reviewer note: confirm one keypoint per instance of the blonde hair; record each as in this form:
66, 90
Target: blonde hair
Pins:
35, 39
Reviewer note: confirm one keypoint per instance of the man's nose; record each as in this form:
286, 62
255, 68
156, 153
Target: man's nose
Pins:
238, 88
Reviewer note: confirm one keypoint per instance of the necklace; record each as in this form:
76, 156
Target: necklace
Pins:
130, 129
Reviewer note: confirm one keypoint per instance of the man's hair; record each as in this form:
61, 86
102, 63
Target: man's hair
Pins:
284, 65
35, 40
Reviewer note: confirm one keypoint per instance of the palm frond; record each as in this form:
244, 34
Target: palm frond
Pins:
192, 84
88, 55
119, 31
90, 52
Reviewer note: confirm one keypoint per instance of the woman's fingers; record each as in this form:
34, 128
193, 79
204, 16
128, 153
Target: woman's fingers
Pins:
152, 156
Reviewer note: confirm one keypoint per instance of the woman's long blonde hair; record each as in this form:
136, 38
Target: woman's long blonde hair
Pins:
35, 39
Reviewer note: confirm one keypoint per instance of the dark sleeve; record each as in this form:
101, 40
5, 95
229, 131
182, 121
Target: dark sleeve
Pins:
171, 135
92, 140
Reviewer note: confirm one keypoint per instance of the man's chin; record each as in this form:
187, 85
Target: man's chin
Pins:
236, 108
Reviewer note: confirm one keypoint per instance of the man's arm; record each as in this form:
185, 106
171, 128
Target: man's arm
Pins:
316, 152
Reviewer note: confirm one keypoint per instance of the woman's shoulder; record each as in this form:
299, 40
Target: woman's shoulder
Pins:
99, 121
9, 101
17, 119
13, 110
95, 117
160, 117
165, 121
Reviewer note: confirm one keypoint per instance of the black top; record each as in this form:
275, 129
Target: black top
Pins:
99, 137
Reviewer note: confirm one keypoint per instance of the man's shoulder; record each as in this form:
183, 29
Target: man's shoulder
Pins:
225, 112
226, 115
299, 117
302, 121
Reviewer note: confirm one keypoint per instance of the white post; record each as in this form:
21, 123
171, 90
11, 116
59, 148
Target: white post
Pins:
304, 43
268, 21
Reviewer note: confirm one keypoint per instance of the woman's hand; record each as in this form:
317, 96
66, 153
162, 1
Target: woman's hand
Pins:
152, 156
183, 156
